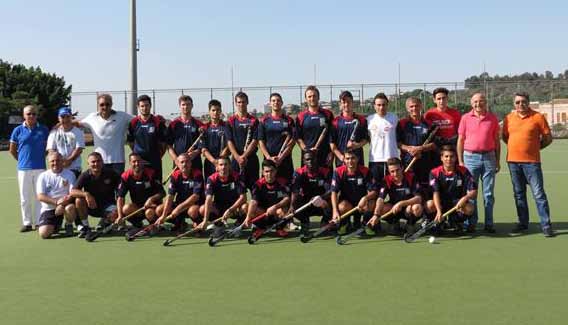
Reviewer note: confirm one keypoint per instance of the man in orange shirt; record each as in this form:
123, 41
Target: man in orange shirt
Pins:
526, 132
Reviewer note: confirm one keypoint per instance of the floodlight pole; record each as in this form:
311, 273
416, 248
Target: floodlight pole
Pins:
133, 91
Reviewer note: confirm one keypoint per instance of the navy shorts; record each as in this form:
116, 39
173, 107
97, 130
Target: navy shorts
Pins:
48, 218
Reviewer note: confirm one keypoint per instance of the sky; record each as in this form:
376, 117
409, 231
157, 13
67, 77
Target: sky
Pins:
194, 44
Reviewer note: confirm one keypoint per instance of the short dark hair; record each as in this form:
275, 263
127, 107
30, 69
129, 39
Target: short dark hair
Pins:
134, 154
144, 98
275, 94
448, 147
523, 94
226, 159
381, 96
313, 88
242, 95
350, 152
345, 94
214, 102
185, 98
95, 154
440, 90
269, 164
394, 162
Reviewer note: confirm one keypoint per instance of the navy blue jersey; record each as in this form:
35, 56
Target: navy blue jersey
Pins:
184, 187
181, 135
239, 128
352, 187
452, 186
414, 133
408, 189
342, 129
215, 137
309, 127
309, 184
267, 195
272, 130
140, 188
225, 191
147, 137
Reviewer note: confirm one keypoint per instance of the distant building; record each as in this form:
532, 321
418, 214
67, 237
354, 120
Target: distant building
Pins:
554, 112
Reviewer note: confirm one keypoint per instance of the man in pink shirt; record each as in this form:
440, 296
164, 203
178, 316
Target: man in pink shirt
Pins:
479, 150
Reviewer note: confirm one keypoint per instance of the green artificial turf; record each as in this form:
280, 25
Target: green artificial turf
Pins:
483, 280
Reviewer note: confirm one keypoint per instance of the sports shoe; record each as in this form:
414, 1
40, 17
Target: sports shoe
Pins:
281, 233
292, 226
218, 231
103, 223
84, 231
26, 228
68, 229
548, 232
305, 229
489, 229
519, 228
342, 230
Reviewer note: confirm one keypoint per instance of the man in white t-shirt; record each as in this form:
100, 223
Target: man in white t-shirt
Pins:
109, 129
382, 132
53, 186
68, 140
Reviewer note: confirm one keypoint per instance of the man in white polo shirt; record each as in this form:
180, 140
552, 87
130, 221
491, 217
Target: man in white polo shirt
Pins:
382, 132
109, 129
53, 188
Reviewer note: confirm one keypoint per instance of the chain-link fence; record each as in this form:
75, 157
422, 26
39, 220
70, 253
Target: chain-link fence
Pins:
548, 96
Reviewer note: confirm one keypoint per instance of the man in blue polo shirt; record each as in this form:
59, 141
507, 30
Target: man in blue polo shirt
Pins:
27, 146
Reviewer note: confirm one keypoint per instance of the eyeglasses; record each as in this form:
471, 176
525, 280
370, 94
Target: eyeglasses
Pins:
31, 114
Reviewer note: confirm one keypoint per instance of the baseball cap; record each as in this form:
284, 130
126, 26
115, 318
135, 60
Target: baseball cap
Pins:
64, 111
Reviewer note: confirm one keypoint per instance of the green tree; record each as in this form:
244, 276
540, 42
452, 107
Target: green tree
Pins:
20, 86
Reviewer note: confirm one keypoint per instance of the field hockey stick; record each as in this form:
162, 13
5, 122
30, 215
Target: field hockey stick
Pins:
94, 235
341, 240
146, 229
245, 147
353, 133
285, 143
252, 239
321, 138
325, 228
228, 234
223, 148
426, 226
427, 141
187, 233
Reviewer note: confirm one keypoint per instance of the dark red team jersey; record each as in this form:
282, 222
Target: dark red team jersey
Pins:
396, 193
309, 184
451, 186
267, 195
352, 187
147, 136
184, 187
215, 137
141, 188
181, 135
342, 129
272, 130
239, 127
309, 127
224, 191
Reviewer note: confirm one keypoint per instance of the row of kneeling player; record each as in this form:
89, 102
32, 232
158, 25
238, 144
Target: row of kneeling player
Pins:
398, 199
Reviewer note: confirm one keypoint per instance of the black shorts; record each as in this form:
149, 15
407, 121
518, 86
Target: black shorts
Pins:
48, 218
102, 211
251, 170
378, 170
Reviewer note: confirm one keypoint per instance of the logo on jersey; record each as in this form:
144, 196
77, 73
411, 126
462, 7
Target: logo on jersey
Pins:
359, 181
147, 185
322, 121
107, 181
459, 182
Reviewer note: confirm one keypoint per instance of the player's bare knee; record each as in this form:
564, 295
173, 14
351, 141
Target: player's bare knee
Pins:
45, 232
468, 209
417, 210
430, 206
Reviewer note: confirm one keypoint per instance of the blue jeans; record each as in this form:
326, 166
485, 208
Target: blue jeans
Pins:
531, 174
482, 165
